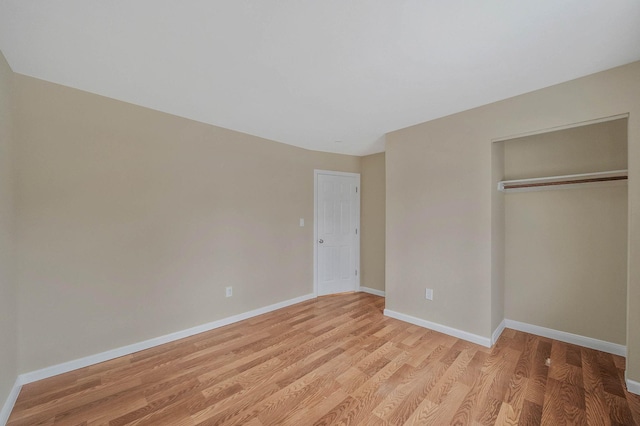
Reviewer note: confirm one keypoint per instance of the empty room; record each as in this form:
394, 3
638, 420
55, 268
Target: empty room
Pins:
316, 213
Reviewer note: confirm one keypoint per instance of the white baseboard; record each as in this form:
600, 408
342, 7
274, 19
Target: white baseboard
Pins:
136, 347
10, 402
372, 291
460, 334
497, 332
563, 336
633, 386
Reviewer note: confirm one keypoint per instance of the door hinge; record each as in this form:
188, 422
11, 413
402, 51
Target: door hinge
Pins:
356, 272
356, 189
356, 231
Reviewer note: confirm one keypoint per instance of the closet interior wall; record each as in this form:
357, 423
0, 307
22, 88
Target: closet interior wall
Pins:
566, 250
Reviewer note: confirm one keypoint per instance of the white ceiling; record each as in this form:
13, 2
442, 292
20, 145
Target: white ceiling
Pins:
311, 73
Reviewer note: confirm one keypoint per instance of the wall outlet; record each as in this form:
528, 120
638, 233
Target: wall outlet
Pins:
301, 222
229, 291
429, 294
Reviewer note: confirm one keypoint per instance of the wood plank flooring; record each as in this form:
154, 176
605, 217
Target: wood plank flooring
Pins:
338, 360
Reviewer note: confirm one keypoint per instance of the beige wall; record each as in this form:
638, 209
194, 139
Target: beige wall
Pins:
131, 222
566, 250
439, 199
497, 237
372, 221
584, 149
8, 298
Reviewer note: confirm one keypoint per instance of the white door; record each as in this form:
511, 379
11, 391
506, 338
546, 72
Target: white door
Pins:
337, 235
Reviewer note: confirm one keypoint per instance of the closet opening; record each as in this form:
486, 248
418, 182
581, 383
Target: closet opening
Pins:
560, 211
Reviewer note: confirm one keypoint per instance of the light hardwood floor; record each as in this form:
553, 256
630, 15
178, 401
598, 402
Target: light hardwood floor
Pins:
338, 360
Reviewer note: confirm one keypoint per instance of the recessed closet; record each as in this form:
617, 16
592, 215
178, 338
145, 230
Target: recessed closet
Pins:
565, 229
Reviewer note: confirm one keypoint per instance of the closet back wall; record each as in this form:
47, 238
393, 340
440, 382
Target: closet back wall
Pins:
566, 250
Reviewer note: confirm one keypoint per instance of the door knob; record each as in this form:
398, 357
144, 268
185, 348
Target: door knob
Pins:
321, 241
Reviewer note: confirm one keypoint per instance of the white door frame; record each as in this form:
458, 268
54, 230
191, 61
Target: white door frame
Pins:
317, 172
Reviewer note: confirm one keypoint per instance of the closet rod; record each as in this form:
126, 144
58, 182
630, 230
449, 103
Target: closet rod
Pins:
561, 182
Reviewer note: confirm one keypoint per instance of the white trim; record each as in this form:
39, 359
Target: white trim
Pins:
563, 127
632, 385
315, 232
129, 349
317, 172
10, 402
460, 334
563, 336
497, 332
372, 291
